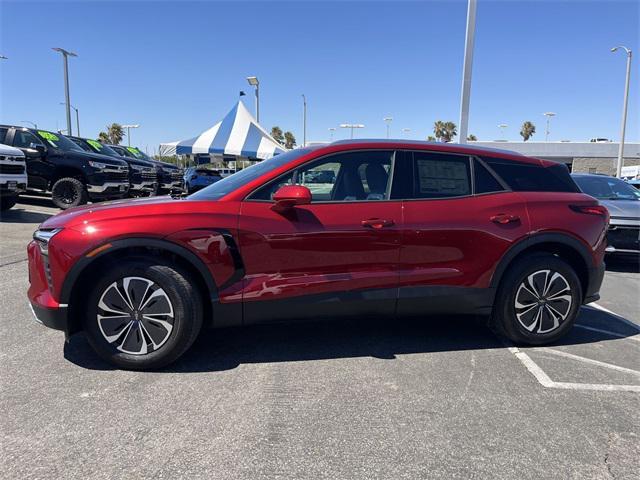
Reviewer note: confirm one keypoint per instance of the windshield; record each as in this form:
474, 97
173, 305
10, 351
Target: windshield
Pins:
94, 146
237, 180
607, 188
58, 141
137, 153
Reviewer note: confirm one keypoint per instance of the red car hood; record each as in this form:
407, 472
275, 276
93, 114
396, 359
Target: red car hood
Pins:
116, 209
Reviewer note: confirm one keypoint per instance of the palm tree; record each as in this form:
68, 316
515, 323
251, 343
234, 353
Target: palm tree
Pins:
113, 135
527, 130
276, 133
431, 138
445, 131
289, 140
472, 138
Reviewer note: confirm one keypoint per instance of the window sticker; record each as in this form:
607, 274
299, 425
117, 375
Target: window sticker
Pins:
443, 177
49, 137
134, 150
95, 144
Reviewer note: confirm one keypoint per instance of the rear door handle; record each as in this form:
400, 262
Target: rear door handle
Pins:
377, 223
504, 218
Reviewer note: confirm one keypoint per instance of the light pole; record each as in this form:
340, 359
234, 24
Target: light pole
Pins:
624, 110
502, 126
128, 127
388, 121
548, 115
351, 126
65, 55
253, 81
29, 121
77, 118
331, 130
470, 36
406, 132
304, 120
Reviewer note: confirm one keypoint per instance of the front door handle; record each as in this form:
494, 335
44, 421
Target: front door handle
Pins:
377, 223
504, 218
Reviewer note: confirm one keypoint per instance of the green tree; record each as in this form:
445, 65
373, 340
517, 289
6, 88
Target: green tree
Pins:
276, 133
113, 135
527, 130
431, 138
472, 138
445, 131
289, 140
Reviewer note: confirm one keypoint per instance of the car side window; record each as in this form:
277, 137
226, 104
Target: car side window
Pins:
484, 181
437, 175
3, 135
25, 139
343, 177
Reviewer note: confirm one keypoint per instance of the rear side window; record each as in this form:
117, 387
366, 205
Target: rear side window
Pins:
485, 182
523, 177
439, 175
3, 134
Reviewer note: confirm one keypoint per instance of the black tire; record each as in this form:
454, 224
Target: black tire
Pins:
7, 202
537, 319
135, 347
68, 192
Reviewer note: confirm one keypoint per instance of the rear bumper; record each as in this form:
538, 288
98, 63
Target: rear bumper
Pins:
594, 282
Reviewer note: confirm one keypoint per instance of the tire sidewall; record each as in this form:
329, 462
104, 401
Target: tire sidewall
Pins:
183, 308
78, 186
509, 323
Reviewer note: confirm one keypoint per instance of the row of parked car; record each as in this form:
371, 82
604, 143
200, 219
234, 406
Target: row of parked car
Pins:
77, 170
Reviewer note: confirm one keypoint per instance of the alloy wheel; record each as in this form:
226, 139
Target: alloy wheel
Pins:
135, 315
543, 301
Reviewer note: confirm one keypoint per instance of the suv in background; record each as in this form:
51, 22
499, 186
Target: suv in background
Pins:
142, 175
169, 175
196, 178
406, 229
623, 203
13, 176
56, 164
150, 170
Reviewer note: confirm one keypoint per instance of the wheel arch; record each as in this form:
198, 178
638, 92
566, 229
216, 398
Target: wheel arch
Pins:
78, 280
63, 171
570, 249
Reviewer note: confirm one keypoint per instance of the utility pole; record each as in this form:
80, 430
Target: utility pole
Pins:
65, 55
466, 71
624, 111
304, 121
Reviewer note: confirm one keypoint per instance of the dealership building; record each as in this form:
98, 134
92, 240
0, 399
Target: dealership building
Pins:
583, 157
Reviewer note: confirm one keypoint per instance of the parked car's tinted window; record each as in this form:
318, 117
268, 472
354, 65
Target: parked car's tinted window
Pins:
3, 134
606, 188
25, 139
524, 177
485, 182
437, 175
353, 176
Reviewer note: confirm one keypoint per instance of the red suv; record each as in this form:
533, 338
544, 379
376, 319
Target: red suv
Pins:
368, 227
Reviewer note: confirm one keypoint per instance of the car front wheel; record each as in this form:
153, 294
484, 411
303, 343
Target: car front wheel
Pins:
143, 314
538, 300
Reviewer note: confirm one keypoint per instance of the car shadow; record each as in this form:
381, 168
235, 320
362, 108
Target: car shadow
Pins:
15, 215
623, 263
225, 349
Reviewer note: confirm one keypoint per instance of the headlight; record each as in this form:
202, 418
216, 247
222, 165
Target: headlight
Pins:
98, 165
43, 236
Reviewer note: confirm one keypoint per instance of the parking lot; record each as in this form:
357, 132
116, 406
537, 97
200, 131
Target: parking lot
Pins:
439, 398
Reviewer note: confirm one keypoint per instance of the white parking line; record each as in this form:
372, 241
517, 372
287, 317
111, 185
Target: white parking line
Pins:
589, 360
546, 382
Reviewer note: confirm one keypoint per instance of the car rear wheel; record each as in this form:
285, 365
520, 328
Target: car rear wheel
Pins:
538, 300
143, 314
68, 192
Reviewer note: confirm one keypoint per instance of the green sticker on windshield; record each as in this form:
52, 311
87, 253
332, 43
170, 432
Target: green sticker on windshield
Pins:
95, 144
134, 150
49, 137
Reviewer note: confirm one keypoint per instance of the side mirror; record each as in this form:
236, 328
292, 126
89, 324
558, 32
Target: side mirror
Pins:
289, 196
41, 149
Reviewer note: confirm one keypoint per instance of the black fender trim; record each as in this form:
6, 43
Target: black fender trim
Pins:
537, 239
182, 252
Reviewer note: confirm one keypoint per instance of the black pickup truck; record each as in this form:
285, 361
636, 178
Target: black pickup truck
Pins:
169, 175
143, 177
73, 176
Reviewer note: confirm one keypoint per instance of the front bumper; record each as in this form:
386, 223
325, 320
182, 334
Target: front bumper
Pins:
11, 186
144, 186
55, 318
115, 187
174, 185
623, 236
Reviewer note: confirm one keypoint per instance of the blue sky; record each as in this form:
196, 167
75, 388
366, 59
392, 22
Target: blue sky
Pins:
177, 67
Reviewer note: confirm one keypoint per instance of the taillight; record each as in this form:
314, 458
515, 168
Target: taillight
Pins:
590, 209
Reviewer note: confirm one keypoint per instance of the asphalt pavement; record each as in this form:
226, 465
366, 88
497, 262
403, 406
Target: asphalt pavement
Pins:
436, 398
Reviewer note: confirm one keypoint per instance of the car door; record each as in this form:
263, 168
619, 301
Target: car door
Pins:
337, 255
39, 171
459, 220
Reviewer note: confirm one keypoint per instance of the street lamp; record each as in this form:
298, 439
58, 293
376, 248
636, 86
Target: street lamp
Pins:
351, 126
253, 81
304, 120
502, 126
129, 134
77, 118
29, 121
65, 55
624, 110
388, 121
406, 132
548, 115
331, 130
